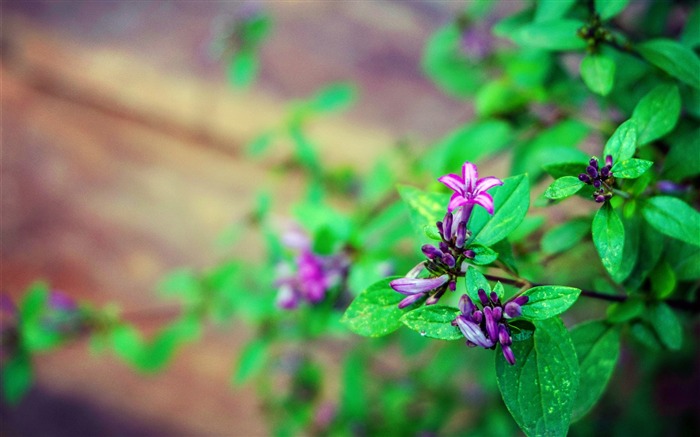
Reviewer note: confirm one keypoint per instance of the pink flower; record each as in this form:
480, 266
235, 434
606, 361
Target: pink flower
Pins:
469, 190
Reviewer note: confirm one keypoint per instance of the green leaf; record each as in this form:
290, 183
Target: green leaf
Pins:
674, 58
674, 218
475, 280
484, 255
565, 236
623, 142
551, 35
434, 321
354, 398
375, 311
560, 169
425, 208
335, 97
691, 31
683, 160
251, 361
182, 283
598, 73
666, 325
631, 168
242, 69
631, 249
552, 9
497, 97
564, 187
663, 280
511, 201
598, 348
609, 8
656, 113
684, 260
33, 302
540, 389
16, 377
445, 64
621, 312
547, 301
260, 143
127, 343
609, 238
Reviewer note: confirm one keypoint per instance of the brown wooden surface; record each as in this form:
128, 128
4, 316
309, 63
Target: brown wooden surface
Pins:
122, 158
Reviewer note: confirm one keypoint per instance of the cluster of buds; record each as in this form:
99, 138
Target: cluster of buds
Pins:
444, 264
600, 177
311, 276
489, 326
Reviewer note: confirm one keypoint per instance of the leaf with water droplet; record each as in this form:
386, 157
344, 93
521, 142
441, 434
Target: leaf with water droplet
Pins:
434, 321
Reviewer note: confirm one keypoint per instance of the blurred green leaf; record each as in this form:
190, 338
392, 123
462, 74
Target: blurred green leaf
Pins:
242, 69
663, 280
656, 113
335, 97
674, 58
251, 361
547, 301
551, 35
425, 208
354, 396
598, 348
609, 238
565, 236
541, 388
609, 8
497, 97
598, 73
483, 255
444, 63
683, 160
16, 377
433, 321
674, 218
666, 324
620, 312
552, 9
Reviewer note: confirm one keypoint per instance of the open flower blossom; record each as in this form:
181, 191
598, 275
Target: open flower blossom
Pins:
469, 190
416, 288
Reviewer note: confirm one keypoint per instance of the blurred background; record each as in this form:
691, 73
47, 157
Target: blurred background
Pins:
124, 157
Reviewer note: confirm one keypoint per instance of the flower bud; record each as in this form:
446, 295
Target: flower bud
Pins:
508, 354
470, 254
497, 313
461, 234
597, 183
494, 297
482, 297
600, 198
449, 260
521, 300
583, 177
447, 226
439, 228
452, 285
609, 161
605, 171
431, 251
478, 316
491, 326
504, 336
512, 309
593, 162
592, 171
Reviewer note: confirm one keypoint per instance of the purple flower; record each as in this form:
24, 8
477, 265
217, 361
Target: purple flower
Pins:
416, 288
469, 190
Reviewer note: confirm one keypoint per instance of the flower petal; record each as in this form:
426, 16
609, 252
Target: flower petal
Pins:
487, 183
470, 174
466, 306
455, 202
453, 182
485, 200
410, 300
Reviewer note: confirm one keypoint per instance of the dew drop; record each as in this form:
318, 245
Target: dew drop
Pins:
423, 333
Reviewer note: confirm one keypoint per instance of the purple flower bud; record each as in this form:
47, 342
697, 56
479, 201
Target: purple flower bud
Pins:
508, 354
408, 300
609, 161
491, 326
444, 247
497, 313
512, 309
605, 172
287, 298
431, 251
593, 163
449, 260
600, 198
447, 226
597, 183
470, 254
592, 171
522, 299
583, 177
504, 336
482, 297
452, 285
439, 228
494, 297
466, 306
478, 316
473, 333
461, 234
